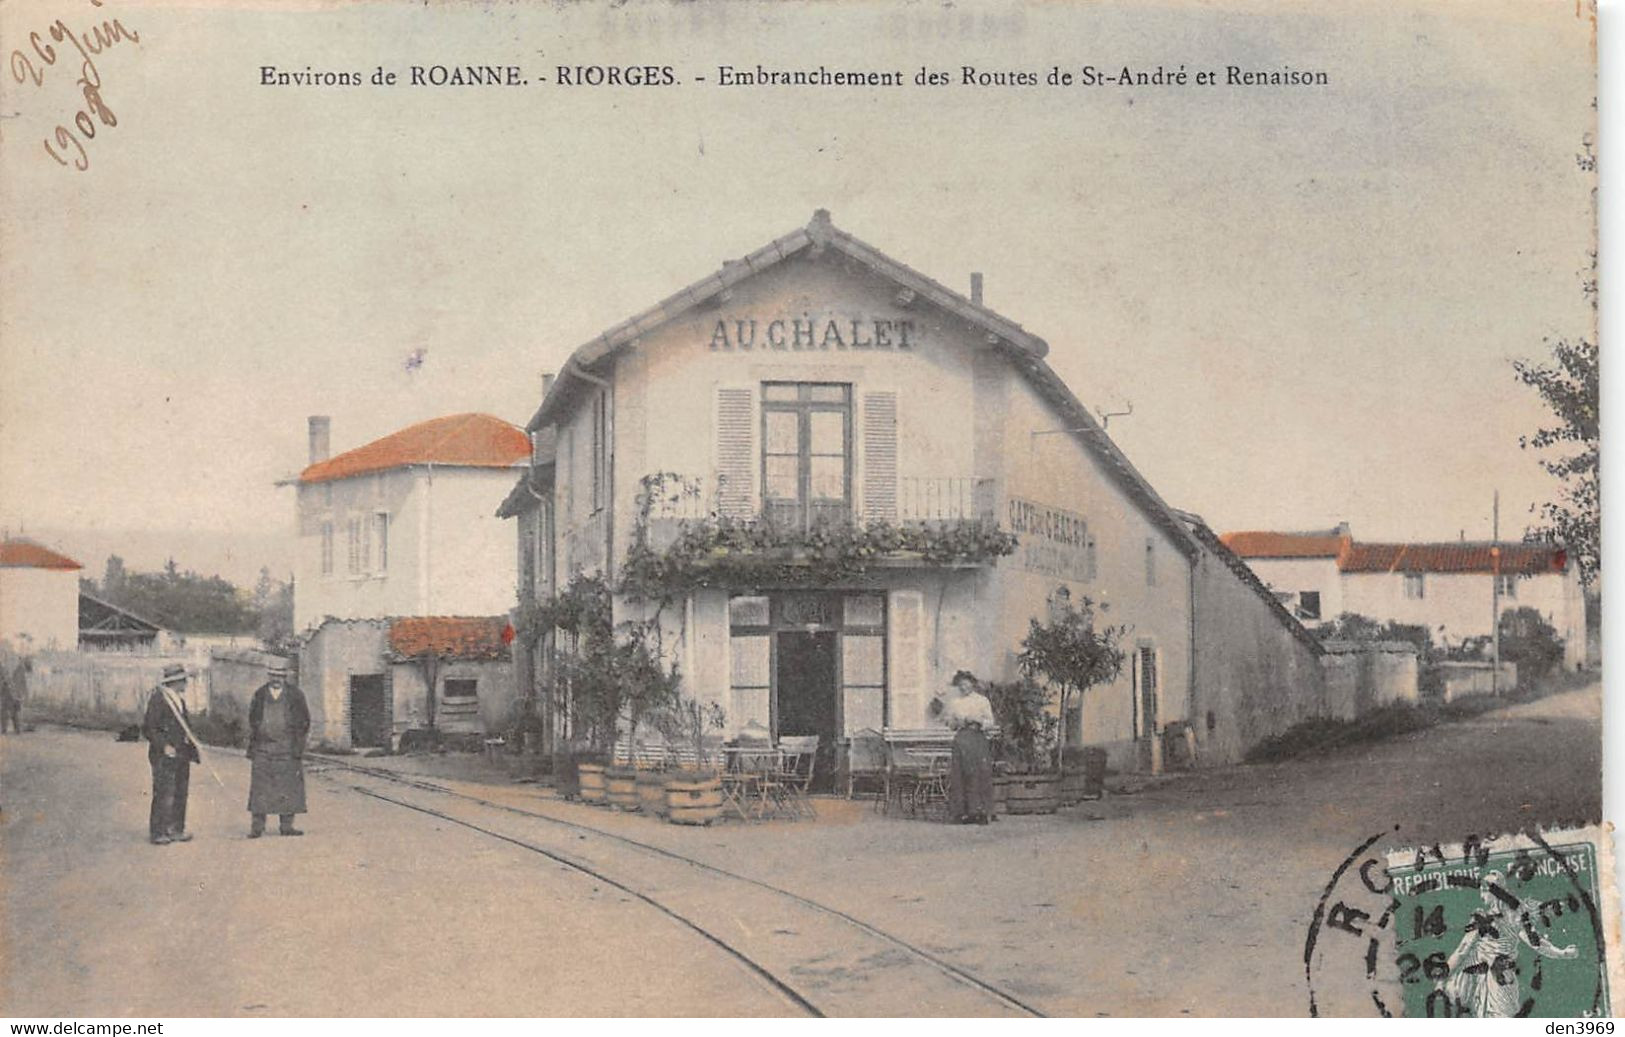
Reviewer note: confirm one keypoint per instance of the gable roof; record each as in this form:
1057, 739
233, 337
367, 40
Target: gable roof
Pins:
1243, 572
462, 440
450, 637
101, 619
1024, 349
1265, 544
18, 553
1458, 557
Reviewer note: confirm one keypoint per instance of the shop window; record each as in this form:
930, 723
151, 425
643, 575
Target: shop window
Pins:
1415, 589
751, 681
462, 688
1308, 604
863, 610
806, 452
863, 681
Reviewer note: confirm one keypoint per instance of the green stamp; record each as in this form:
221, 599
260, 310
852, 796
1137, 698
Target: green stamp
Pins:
1512, 928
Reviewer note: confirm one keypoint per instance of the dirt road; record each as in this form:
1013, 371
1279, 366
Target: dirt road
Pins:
1191, 897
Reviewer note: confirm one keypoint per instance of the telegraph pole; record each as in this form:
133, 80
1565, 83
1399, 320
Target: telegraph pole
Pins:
1495, 597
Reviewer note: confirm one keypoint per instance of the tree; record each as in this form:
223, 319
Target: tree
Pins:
113, 577
1070, 654
1569, 386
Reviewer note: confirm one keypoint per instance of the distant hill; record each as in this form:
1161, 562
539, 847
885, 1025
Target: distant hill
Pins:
237, 557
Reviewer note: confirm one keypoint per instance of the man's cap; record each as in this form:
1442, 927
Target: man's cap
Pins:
276, 668
174, 673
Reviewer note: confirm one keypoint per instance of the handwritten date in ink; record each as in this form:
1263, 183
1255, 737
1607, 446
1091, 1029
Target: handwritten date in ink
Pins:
33, 65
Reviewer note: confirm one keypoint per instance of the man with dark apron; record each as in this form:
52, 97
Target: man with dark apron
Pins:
278, 725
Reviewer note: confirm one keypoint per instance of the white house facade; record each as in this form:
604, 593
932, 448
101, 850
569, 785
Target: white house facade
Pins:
1448, 587
39, 597
403, 526
818, 384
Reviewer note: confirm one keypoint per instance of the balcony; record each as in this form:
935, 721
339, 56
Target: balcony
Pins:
689, 537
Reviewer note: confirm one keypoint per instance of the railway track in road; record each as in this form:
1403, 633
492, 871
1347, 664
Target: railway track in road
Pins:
818, 959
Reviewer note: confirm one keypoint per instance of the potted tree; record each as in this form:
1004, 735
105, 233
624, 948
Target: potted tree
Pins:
648, 687
1027, 725
1071, 654
694, 794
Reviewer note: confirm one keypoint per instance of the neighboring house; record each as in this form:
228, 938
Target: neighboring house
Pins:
1447, 587
819, 385
368, 681
39, 597
403, 526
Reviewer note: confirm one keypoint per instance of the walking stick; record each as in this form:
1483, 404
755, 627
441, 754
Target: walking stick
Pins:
170, 702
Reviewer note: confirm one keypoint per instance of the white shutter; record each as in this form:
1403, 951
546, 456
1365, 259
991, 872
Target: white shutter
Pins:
880, 456
736, 452
905, 670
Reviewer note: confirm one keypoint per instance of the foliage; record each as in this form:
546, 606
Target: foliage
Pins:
605, 673
687, 719
188, 603
1069, 652
723, 550
1569, 385
273, 600
1351, 626
1531, 642
1026, 725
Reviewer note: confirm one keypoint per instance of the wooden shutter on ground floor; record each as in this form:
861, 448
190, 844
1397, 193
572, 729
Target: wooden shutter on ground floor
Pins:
905, 671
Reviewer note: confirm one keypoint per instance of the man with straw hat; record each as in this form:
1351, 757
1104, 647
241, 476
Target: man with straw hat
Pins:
171, 752
278, 725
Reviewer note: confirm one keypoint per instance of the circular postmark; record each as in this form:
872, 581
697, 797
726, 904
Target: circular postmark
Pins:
1508, 926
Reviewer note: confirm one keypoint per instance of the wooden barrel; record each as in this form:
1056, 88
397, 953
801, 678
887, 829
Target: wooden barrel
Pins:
1001, 793
1033, 794
696, 801
621, 785
652, 792
593, 790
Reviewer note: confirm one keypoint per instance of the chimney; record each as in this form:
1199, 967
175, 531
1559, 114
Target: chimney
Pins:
976, 289
1343, 529
321, 427
547, 383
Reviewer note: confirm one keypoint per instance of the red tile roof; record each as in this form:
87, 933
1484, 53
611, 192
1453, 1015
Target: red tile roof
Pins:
1261, 544
25, 554
450, 637
1454, 557
467, 440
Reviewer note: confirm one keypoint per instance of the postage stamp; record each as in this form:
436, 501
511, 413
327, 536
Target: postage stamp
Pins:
1516, 926
1511, 928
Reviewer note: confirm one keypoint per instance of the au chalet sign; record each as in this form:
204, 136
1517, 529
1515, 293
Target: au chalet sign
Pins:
808, 333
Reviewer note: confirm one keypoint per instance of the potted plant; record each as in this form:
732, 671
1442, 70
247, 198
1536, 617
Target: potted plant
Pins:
1024, 783
694, 794
1071, 654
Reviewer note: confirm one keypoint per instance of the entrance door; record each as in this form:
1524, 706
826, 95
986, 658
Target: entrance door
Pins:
806, 692
369, 721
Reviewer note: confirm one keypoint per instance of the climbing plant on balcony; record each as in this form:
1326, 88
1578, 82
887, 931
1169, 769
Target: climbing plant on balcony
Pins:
730, 552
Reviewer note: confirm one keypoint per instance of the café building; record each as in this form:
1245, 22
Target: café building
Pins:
822, 390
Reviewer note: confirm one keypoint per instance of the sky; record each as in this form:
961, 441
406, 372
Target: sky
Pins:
1310, 296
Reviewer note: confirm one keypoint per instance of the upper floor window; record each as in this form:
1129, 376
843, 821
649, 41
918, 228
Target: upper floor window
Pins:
1415, 589
1308, 604
1150, 562
327, 548
358, 548
1509, 585
380, 541
806, 452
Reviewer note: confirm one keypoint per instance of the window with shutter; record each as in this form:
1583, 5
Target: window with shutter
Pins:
905, 671
736, 452
880, 456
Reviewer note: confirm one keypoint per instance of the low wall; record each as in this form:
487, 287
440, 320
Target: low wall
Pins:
1459, 679
108, 686
1366, 675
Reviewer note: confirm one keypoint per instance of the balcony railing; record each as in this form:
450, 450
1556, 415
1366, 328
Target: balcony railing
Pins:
917, 499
